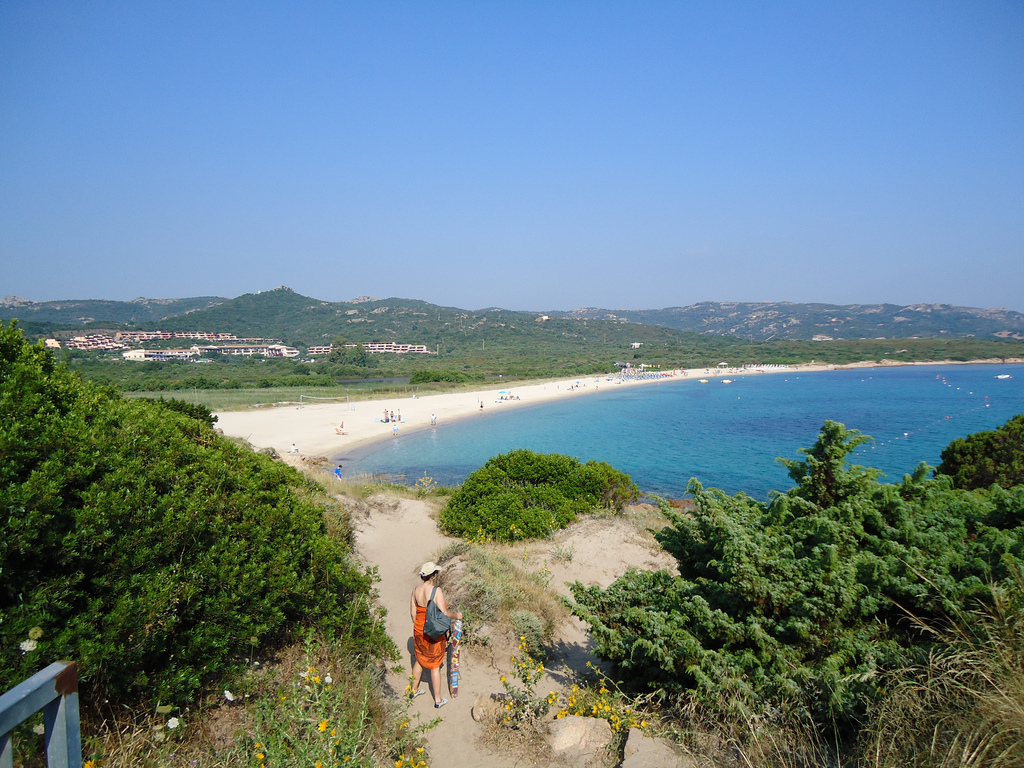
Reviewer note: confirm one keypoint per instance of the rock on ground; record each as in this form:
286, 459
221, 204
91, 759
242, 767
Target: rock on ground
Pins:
582, 741
643, 751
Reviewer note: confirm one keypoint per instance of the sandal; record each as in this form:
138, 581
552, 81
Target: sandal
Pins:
441, 703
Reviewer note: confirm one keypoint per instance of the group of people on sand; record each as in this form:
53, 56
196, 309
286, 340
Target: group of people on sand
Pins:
389, 416
429, 653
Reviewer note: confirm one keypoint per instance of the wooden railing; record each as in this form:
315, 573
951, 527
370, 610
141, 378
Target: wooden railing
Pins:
55, 692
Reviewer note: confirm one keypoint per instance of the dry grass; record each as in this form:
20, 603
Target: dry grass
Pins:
965, 706
494, 590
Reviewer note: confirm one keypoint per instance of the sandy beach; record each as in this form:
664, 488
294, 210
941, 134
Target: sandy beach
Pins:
328, 429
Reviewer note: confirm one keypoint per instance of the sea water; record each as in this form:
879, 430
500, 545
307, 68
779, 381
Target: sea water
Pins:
725, 435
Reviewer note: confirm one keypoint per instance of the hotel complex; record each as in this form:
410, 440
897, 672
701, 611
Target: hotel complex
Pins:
243, 347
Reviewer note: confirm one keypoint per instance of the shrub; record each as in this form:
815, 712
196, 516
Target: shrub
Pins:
964, 704
523, 707
523, 494
803, 600
985, 458
154, 552
447, 375
531, 630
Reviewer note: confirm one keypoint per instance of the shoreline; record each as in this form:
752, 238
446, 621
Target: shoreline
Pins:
334, 429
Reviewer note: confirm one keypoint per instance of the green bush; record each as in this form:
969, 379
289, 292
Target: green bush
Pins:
523, 495
805, 600
985, 458
136, 541
531, 630
449, 375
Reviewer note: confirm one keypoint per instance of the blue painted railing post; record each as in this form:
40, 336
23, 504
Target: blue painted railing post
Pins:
54, 691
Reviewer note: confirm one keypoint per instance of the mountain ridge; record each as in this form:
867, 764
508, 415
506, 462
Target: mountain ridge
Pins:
281, 309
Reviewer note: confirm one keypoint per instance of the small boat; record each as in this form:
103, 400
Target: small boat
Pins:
703, 381
1004, 376
727, 381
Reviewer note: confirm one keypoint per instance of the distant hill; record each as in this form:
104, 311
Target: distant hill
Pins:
91, 311
282, 313
761, 321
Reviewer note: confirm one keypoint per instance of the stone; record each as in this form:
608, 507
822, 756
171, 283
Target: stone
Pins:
580, 740
643, 751
483, 710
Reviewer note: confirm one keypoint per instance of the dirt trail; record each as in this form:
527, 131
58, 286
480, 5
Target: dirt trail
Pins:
398, 538
398, 535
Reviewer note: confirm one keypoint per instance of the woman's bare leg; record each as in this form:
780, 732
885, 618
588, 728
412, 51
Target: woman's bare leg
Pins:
417, 675
435, 684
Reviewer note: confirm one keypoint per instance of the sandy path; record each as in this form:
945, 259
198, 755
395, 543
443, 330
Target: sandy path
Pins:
399, 535
398, 541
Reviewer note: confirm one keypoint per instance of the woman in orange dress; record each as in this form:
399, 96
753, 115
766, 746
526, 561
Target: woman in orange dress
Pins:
429, 653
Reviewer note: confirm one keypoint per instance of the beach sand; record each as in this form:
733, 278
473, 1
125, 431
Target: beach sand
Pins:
328, 429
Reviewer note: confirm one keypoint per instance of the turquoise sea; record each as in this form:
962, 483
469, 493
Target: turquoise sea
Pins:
725, 435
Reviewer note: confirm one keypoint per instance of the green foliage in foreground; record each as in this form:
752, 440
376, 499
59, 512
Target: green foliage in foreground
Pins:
136, 541
525, 495
994, 456
805, 599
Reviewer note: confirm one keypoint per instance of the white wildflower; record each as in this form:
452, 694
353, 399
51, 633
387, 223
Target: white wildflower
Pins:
39, 729
27, 646
328, 679
173, 723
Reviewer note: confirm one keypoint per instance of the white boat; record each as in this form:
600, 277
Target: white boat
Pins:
1004, 376
703, 381
727, 381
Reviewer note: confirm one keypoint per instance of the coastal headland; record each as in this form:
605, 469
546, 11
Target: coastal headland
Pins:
327, 429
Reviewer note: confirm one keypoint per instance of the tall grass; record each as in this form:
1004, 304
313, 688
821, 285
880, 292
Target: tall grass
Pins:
964, 706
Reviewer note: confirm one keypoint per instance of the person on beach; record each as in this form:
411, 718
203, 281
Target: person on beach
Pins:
429, 653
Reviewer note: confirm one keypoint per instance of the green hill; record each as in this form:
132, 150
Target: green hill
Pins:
78, 313
785, 320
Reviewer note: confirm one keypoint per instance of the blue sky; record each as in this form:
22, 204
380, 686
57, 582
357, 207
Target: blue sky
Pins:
530, 155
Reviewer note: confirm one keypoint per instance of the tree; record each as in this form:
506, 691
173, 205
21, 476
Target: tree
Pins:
345, 355
804, 600
994, 457
154, 552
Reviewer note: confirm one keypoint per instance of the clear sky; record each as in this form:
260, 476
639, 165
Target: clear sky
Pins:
528, 155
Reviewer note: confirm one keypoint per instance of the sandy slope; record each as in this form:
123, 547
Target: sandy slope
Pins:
398, 535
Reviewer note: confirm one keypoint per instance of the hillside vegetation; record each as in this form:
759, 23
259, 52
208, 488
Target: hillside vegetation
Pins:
786, 320
311, 321
471, 345
815, 599
154, 552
